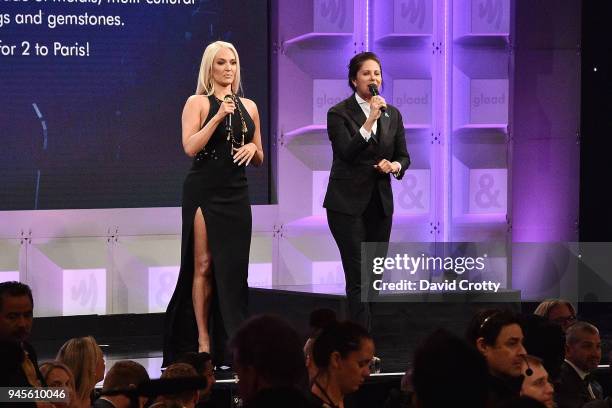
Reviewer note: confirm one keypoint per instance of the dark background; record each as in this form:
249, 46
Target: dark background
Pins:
596, 123
113, 129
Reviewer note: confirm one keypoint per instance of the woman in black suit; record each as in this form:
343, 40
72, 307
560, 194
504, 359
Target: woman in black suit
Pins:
368, 143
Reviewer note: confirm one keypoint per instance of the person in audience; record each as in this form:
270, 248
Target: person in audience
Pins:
319, 319
536, 383
520, 402
545, 340
166, 404
85, 359
558, 311
498, 336
342, 353
447, 372
576, 386
123, 375
269, 362
56, 374
187, 399
17, 355
202, 363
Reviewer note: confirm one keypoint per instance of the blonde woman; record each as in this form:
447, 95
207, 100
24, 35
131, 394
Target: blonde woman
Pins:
221, 132
58, 375
84, 358
558, 311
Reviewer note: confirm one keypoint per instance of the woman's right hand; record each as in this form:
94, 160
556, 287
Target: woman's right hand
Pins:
376, 103
227, 107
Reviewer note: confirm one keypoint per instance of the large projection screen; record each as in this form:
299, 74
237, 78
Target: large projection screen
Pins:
91, 95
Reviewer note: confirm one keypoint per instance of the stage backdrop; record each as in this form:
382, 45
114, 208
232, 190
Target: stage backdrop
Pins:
91, 95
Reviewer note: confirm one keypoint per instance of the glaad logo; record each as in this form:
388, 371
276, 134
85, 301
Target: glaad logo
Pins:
327, 100
334, 11
483, 99
411, 100
492, 10
86, 293
414, 10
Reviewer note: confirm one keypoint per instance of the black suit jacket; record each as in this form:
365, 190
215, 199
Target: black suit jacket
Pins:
353, 176
571, 391
12, 374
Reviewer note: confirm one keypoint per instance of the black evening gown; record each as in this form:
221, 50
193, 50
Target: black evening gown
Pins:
219, 187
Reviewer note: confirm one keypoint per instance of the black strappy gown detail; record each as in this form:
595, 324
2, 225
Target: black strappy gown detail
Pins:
219, 187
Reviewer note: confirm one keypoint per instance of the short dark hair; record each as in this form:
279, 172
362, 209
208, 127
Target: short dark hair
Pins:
196, 360
273, 348
321, 318
343, 337
13, 288
545, 340
355, 65
179, 370
446, 360
488, 324
123, 373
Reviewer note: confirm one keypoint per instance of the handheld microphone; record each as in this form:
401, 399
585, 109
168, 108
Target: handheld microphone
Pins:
228, 118
374, 91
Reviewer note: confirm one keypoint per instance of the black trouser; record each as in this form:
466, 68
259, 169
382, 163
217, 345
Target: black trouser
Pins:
350, 231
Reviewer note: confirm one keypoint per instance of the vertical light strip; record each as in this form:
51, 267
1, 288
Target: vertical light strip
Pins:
447, 128
367, 25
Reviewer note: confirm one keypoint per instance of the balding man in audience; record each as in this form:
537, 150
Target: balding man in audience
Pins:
123, 375
576, 387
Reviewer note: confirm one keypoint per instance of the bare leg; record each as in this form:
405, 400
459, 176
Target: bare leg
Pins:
201, 291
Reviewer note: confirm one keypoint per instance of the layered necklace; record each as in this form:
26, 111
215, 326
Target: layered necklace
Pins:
235, 141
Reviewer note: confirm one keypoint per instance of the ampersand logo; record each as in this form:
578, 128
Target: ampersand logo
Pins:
485, 196
409, 197
166, 282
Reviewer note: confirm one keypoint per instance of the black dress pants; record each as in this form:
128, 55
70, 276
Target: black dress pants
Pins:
350, 231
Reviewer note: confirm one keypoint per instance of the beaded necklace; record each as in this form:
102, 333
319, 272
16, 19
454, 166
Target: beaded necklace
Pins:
236, 142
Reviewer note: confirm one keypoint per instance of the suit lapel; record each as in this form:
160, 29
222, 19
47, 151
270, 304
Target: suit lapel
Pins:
383, 127
355, 112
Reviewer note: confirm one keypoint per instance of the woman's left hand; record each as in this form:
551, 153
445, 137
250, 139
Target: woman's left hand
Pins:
244, 154
386, 167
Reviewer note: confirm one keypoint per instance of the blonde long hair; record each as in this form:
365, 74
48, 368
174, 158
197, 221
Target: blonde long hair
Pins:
205, 83
48, 367
81, 356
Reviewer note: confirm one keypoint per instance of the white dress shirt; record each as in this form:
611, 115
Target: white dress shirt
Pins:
365, 107
582, 375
